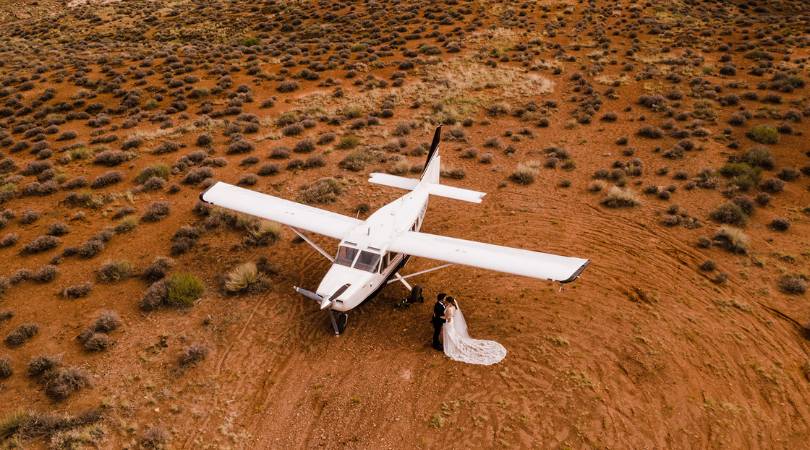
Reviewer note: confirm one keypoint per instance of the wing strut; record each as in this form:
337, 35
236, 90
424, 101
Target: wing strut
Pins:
313, 244
403, 278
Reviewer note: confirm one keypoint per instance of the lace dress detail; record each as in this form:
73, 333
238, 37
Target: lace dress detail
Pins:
459, 346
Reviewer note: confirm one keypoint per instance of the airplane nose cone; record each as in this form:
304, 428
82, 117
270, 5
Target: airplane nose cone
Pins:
325, 303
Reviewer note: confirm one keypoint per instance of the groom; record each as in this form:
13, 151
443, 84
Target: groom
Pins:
438, 320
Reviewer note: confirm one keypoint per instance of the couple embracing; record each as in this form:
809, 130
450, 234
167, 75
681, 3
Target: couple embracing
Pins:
449, 324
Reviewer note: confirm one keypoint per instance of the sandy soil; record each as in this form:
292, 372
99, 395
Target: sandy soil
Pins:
646, 350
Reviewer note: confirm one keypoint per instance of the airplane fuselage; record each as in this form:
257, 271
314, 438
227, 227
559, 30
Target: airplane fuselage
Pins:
363, 260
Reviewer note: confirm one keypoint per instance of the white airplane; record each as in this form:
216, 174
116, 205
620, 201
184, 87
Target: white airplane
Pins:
373, 251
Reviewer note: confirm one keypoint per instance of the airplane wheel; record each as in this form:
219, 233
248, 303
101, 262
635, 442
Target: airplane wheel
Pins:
342, 321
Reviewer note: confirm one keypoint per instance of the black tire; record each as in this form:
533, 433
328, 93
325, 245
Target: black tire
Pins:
416, 295
342, 320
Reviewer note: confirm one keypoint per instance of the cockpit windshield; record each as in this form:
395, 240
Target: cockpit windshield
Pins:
367, 261
345, 256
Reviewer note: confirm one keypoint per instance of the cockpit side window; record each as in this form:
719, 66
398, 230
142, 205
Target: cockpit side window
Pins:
345, 256
367, 261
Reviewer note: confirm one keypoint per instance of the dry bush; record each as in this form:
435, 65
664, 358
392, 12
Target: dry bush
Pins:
192, 355
241, 278
106, 179
77, 291
793, 284
325, 190
21, 334
731, 239
523, 174
153, 438
16, 427
5, 368
729, 213
63, 382
40, 244
619, 198
155, 212
113, 271
262, 233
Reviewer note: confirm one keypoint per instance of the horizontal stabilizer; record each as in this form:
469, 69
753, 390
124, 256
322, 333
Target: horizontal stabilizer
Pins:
442, 190
467, 195
385, 179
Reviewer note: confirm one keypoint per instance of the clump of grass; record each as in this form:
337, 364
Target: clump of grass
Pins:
348, 142
524, 174
619, 198
241, 278
158, 170
759, 157
183, 289
731, 239
114, 271
325, 190
741, 174
763, 134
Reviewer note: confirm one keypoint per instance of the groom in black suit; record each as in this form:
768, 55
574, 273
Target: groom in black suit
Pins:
438, 320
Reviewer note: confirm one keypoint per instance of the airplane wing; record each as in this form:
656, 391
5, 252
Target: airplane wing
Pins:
279, 210
487, 256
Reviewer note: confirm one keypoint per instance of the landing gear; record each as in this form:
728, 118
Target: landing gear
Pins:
339, 322
416, 295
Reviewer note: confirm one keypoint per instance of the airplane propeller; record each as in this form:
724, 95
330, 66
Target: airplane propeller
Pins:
323, 301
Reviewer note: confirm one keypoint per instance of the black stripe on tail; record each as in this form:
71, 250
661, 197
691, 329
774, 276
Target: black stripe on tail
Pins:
437, 136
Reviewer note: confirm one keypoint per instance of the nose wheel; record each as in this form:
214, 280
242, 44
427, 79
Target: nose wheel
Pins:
339, 322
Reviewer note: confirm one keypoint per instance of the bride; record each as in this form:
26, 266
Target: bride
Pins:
459, 346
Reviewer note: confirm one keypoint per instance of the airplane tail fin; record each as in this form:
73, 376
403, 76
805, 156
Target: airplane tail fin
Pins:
430, 178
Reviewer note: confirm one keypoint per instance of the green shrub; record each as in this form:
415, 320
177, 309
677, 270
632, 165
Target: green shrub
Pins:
158, 170
741, 174
348, 141
759, 157
183, 289
763, 134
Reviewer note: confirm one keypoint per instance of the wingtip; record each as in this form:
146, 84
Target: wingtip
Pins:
578, 272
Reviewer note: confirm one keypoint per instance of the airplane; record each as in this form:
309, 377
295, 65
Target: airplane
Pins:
372, 252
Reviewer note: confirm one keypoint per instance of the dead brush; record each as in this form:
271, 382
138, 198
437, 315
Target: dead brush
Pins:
243, 278
620, 198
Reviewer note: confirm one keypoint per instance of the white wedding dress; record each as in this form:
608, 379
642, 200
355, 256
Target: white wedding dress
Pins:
459, 346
